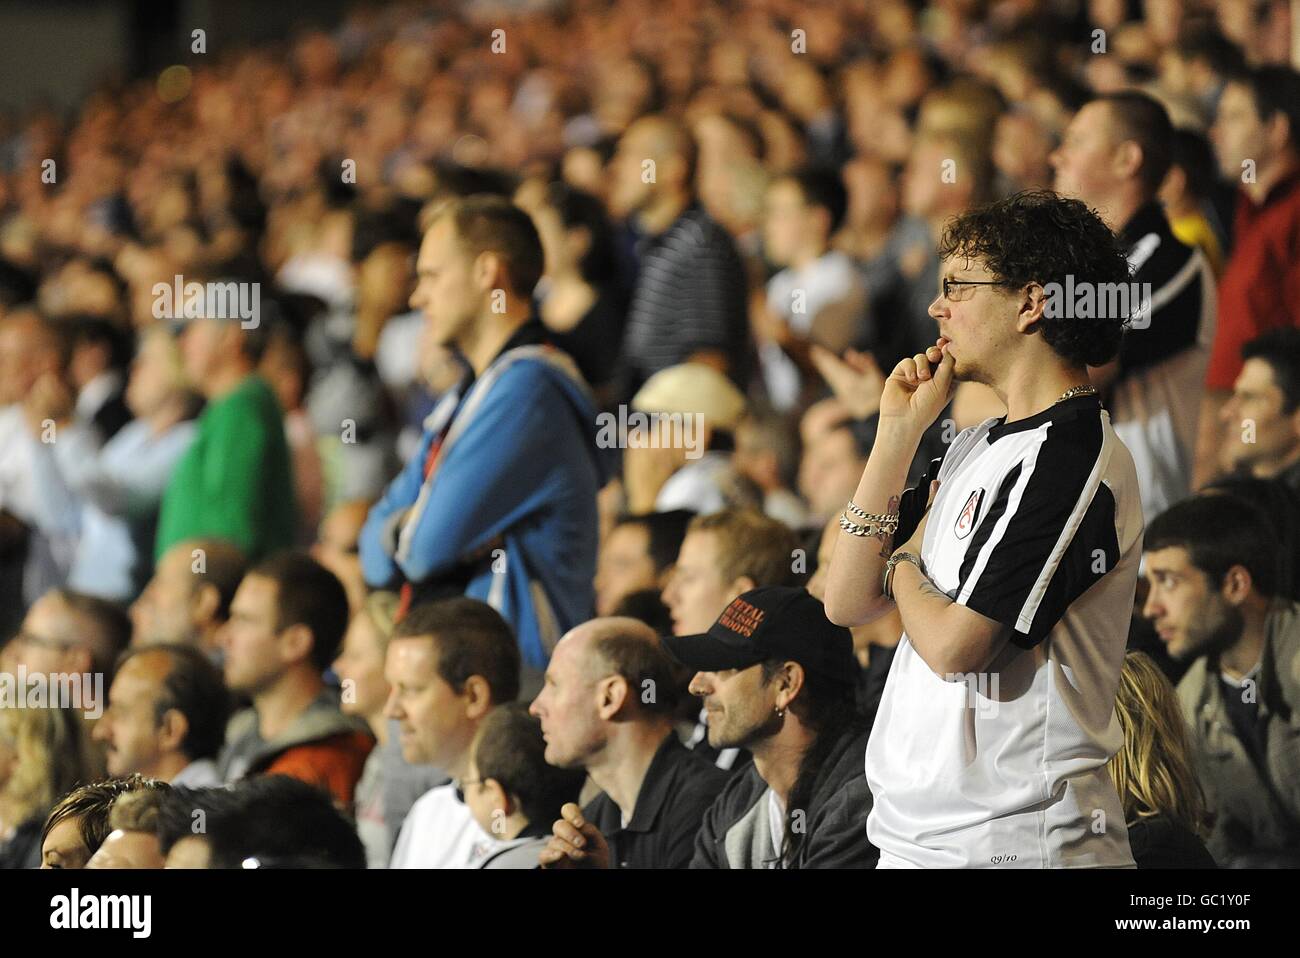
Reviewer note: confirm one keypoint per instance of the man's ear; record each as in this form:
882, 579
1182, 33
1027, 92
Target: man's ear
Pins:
1237, 585
204, 604
1033, 300
1128, 159
490, 272
295, 643
611, 695
501, 800
789, 681
172, 730
478, 697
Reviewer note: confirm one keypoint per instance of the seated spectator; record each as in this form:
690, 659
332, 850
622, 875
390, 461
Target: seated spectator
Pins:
360, 669
722, 556
166, 716
499, 501
638, 554
270, 821
511, 790
69, 633
78, 823
818, 295
286, 622
132, 840
449, 664
646, 606
109, 502
1164, 806
777, 678
767, 454
609, 706
831, 469
1211, 566
666, 467
336, 547
1262, 417
187, 601
41, 759
1283, 508
235, 481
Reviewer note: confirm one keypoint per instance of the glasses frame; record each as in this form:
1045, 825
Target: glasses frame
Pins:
947, 284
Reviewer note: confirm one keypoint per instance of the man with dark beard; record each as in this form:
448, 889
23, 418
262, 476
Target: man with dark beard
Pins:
1211, 562
776, 678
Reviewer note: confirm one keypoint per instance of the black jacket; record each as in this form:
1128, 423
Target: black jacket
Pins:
836, 819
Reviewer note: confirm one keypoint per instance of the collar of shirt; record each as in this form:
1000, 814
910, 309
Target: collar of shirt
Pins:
1058, 410
97, 392
1148, 218
654, 787
531, 333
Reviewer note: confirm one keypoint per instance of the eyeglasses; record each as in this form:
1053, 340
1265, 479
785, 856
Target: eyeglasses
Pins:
948, 285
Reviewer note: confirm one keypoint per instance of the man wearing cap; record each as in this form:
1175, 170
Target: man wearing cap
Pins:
235, 482
683, 460
776, 678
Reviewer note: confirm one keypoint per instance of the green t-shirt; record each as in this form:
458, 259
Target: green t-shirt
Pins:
236, 480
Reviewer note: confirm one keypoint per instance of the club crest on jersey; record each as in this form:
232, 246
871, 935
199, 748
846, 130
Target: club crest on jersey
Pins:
969, 514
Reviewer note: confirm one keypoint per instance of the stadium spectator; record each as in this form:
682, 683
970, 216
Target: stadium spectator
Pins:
235, 481
166, 716
360, 670
777, 678
78, 823
638, 554
767, 454
336, 547
286, 622
511, 790
449, 664
98, 357
41, 759
132, 840
1256, 137
1115, 156
505, 478
1211, 564
1164, 805
1188, 192
187, 601
1262, 417
966, 593
609, 707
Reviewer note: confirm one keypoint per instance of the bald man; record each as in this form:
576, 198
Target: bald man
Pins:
187, 600
608, 706
689, 301
166, 716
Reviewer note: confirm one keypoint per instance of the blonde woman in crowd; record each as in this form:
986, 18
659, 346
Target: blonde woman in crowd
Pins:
41, 758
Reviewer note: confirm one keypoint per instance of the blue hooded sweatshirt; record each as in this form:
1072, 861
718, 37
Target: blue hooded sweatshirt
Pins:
513, 498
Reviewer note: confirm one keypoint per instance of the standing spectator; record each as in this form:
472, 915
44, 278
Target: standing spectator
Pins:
512, 790
499, 501
100, 353
449, 664
360, 668
1262, 418
188, 599
109, 502
236, 481
1187, 194
1027, 576
777, 678
41, 759
608, 707
688, 304
1164, 805
1256, 136
166, 716
286, 622
1114, 157
1211, 564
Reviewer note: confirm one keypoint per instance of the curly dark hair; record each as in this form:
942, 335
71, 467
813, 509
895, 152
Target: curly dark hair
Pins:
1039, 237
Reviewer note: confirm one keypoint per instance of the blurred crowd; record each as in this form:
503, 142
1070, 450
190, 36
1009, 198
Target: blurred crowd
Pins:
372, 540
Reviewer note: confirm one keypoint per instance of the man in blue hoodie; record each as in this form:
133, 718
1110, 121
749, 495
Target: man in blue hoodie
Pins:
499, 500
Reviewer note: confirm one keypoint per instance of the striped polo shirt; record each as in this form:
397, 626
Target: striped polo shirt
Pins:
1037, 525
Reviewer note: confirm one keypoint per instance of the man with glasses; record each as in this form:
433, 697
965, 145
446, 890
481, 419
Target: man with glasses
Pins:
998, 717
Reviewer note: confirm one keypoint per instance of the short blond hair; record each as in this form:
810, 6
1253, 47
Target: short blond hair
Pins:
750, 544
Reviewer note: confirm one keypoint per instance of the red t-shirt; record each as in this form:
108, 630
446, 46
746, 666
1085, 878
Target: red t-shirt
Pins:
1260, 288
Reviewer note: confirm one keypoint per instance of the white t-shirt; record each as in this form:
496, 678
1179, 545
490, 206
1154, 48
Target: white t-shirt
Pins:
440, 832
1036, 524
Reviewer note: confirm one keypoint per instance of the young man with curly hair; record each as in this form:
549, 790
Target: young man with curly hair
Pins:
998, 716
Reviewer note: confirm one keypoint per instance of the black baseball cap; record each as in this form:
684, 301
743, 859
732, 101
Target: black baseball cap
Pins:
776, 622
